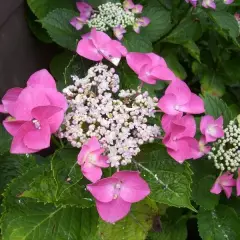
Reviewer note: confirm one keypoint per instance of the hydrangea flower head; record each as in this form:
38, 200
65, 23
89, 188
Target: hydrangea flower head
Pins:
225, 183
91, 160
114, 195
211, 128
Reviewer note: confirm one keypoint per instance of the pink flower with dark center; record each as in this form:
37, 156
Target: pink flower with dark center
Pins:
140, 22
98, 45
179, 98
212, 129
114, 195
91, 160
33, 135
225, 182
209, 4
149, 67
179, 138
118, 32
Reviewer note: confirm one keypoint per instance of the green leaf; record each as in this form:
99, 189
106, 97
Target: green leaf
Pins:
135, 226
226, 23
231, 68
212, 84
37, 221
137, 43
219, 224
193, 49
60, 30
62, 185
66, 64
5, 140
43, 7
169, 181
157, 27
171, 230
186, 30
217, 107
201, 192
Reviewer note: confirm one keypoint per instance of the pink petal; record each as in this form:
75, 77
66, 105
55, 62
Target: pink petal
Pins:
145, 75
167, 120
102, 162
189, 123
38, 139
143, 21
219, 121
194, 106
104, 189
137, 60
27, 100
216, 189
238, 186
218, 133
56, 99
128, 4
93, 144
110, 52
77, 22
156, 60
99, 38
168, 104
119, 47
205, 121
41, 78
228, 191
84, 8
92, 173
180, 90
18, 146
113, 211
2, 109
9, 100
162, 73
85, 48
12, 125
137, 8
83, 154
133, 187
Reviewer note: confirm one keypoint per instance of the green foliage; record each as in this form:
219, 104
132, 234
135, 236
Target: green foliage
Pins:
219, 224
169, 181
135, 226
5, 141
58, 27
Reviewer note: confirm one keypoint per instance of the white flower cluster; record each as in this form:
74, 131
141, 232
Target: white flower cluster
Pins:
111, 15
226, 151
118, 119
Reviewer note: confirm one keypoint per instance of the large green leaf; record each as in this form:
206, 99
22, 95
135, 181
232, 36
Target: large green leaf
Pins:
43, 7
60, 30
135, 226
169, 181
226, 23
137, 43
217, 107
5, 140
193, 49
160, 22
219, 224
61, 185
231, 68
46, 222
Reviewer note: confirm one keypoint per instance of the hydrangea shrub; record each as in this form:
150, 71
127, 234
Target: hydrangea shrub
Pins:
133, 132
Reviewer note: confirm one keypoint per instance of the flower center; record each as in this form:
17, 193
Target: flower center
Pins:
117, 190
177, 107
36, 124
211, 130
91, 158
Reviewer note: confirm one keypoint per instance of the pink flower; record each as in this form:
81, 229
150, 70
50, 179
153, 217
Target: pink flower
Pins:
201, 149
149, 67
91, 161
224, 182
85, 13
36, 111
193, 2
137, 9
96, 45
209, 4
114, 195
212, 129
33, 135
118, 32
179, 98
179, 138
238, 183
128, 4
140, 22
228, 1
237, 17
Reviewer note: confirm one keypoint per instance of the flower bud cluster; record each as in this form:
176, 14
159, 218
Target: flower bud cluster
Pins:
226, 151
111, 15
118, 119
